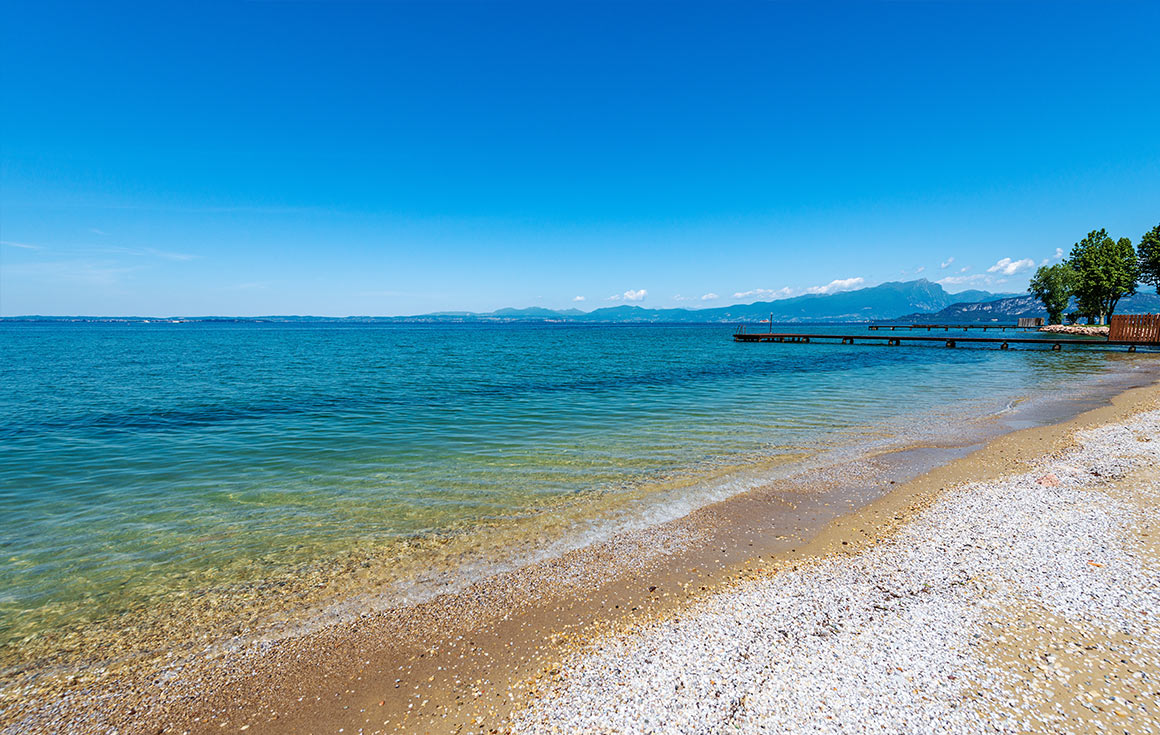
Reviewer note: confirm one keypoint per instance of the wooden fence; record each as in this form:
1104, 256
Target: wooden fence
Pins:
1135, 328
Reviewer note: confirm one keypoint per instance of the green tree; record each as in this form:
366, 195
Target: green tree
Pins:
1150, 257
1105, 271
1053, 285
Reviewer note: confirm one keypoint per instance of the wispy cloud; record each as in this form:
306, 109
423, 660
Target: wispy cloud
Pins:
841, 284
630, 295
578, 298
710, 296
771, 293
1058, 253
95, 231
86, 251
1009, 267
150, 253
920, 269
946, 263
87, 272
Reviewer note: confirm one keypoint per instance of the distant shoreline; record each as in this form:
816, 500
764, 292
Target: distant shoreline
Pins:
894, 301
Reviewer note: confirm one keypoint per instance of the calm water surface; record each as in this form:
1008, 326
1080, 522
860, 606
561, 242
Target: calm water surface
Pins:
141, 460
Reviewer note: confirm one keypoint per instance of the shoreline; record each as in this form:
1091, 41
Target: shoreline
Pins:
1019, 598
502, 635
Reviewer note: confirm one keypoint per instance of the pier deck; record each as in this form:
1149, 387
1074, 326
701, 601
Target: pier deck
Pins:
948, 327
1002, 342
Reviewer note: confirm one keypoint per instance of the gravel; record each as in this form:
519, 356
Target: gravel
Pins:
902, 637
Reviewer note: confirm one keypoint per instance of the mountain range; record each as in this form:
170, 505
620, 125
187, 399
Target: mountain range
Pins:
900, 301
881, 302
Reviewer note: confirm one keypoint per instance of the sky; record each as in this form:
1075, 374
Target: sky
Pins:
382, 158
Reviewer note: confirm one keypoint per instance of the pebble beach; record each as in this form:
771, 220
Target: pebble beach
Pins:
1023, 604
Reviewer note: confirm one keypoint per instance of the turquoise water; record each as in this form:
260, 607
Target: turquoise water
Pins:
139, 461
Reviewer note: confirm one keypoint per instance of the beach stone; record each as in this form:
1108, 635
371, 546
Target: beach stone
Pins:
923, 633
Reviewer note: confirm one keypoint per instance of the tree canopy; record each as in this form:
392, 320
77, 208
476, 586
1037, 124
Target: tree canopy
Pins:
1105, 270
1150, 257
1053, 285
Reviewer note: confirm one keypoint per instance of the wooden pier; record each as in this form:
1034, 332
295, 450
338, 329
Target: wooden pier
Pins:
1003, 343
948, 327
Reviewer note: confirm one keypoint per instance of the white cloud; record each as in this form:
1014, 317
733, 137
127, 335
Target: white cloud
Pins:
95, 231
1008, 267
578, 298
1058, 253
920, 269
773, 294
21, 245
946, 263
960, 280
964, 269
841, 284
709, 297
629, 295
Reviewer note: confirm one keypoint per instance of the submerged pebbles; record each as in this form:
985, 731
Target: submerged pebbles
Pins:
1027, 604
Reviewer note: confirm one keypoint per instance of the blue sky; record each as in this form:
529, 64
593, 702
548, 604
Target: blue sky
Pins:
367, 157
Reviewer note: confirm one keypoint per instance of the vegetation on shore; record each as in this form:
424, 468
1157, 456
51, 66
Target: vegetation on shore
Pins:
1150, 257
1099, 272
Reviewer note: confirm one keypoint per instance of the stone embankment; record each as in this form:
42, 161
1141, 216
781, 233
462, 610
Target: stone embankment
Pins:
1090, 330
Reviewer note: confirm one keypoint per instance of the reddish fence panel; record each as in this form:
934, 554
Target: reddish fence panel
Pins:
1135, 328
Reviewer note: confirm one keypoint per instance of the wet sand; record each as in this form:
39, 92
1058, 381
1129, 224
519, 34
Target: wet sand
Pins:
462, 662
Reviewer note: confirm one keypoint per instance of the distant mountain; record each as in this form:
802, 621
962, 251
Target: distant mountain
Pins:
1010, 309
885, 301
533, 312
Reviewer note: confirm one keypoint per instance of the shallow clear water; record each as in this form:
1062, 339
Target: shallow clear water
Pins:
141, 459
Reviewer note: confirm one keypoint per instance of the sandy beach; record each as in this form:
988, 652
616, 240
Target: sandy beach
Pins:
1010, 588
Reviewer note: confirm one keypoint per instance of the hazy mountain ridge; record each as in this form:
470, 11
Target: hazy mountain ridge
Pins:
885, 301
